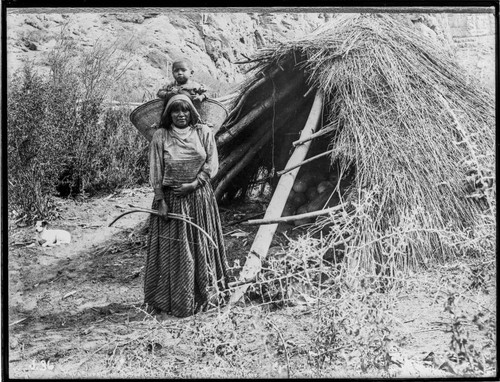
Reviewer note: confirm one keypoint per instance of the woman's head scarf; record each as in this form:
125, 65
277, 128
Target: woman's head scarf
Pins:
195, 116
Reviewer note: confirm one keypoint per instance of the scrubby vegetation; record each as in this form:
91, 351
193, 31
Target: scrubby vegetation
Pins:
301, 318
62, 139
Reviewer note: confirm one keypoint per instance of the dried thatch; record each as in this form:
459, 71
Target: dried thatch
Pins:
405, 124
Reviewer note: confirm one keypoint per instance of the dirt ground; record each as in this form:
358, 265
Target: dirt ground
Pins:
75, 310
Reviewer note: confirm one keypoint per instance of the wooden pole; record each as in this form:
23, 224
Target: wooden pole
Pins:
235, 156
245, 153
264, 236
320, 133
285, 219
247, 158
237, 107
304, 162
237, 128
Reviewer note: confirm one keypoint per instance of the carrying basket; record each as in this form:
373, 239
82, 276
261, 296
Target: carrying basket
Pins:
147, 116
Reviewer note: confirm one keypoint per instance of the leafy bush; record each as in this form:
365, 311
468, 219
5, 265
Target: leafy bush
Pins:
61, 135
38, 114
114, 154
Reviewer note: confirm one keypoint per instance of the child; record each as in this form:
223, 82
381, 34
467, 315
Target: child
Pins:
182, 70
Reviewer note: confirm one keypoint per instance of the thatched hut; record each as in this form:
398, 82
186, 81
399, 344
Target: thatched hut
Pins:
400, 129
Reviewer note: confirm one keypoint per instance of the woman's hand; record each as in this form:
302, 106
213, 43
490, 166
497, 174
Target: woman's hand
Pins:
163, 209
186, 188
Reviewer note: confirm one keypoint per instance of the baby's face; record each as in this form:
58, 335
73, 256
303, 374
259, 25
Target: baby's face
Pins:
181, 72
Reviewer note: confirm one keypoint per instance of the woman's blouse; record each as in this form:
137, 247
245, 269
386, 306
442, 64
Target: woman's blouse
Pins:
182, 155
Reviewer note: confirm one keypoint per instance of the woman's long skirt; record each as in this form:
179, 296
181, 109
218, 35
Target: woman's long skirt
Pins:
183, 267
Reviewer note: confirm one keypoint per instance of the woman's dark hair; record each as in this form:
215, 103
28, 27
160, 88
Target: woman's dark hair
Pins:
178, 105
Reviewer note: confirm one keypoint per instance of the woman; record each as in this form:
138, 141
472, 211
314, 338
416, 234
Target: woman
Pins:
183, 268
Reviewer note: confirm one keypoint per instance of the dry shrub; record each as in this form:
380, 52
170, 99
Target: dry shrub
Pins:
39, 115
353, 328
412, 244
61, 136
109, 153
357, 327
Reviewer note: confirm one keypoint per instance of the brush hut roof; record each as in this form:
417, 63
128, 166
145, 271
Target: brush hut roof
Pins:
405, 119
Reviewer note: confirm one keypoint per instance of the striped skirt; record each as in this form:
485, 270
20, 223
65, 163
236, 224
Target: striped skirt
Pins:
183, 268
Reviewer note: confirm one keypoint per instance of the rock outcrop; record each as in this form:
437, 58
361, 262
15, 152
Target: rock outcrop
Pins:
217, 43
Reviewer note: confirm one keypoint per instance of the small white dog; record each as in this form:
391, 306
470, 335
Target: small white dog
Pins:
51, 237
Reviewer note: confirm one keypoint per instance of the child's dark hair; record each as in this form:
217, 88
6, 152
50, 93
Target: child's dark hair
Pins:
184, 60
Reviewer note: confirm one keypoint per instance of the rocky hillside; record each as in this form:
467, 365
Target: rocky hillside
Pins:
148, 40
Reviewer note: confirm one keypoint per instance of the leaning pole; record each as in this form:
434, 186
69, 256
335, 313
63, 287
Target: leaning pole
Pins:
260, 246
